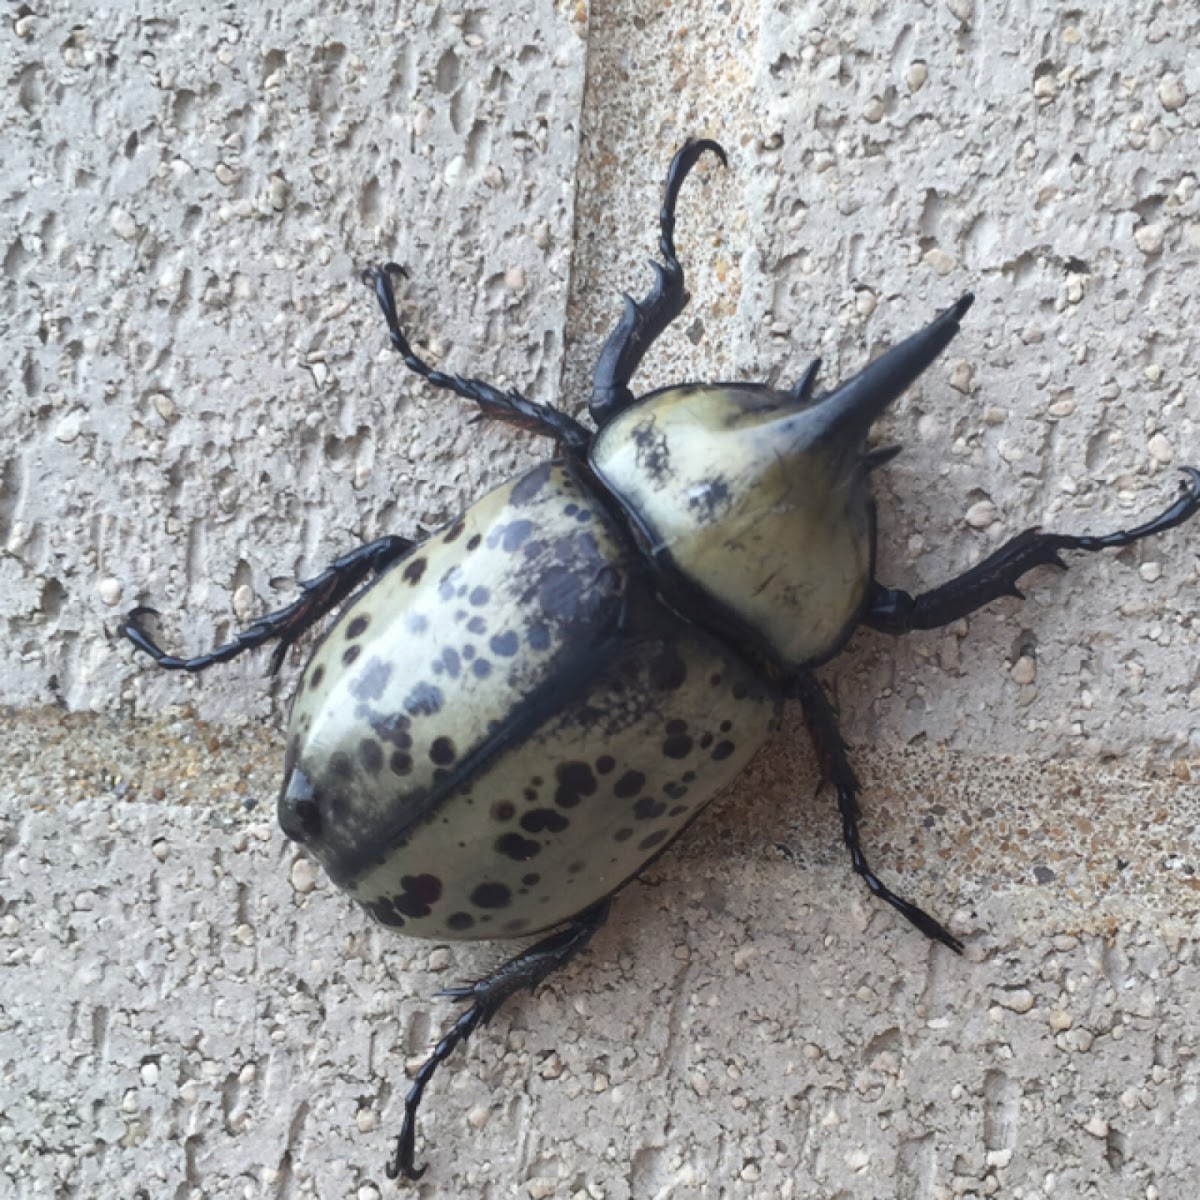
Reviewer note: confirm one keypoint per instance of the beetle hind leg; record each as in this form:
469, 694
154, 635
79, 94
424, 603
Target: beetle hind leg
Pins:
835, 763
643, 322
319, 597
526, 970
510, 407
892, 610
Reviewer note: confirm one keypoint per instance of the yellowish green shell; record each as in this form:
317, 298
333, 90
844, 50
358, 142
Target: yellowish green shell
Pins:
509, 724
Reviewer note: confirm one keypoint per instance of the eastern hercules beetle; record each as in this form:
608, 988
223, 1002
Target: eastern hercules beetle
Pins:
509, 720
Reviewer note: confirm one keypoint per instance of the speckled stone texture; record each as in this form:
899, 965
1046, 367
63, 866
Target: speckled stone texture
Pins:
201, 407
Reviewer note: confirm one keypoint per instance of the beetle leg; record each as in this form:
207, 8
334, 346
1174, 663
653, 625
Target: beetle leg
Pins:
894, 611
642, 323
526, 970
319, 596
835, 764
493, 403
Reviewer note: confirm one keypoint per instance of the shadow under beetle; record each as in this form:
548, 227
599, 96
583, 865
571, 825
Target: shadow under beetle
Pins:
509, 720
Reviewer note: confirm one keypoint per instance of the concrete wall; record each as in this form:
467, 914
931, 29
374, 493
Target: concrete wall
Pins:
200, 408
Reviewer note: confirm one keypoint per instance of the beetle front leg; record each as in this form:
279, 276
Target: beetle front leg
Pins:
320, 596
892, 610
642, 323
526, 970
836, 768
511, 407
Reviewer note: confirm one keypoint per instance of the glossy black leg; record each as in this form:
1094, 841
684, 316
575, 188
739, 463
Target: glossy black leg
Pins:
894, 611
835, 765
641, 323
511, 407
526, 970
320, 596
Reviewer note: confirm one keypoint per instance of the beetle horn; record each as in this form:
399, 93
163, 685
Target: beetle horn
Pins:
852, 407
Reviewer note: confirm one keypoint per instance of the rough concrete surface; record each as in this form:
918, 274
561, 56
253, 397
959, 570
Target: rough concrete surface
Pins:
200, 408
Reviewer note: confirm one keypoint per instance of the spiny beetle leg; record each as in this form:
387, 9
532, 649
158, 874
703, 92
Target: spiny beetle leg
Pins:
510, 407
835, 765
892, 610
320, 596
526, 970
642, 323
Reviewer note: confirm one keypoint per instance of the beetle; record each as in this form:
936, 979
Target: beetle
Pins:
508, 721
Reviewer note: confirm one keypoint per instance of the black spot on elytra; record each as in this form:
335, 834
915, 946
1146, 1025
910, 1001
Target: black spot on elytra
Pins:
442, 751
538, 637
417, 623
575, 780
450, 661
515, 534
623, 835
723, 750
481, 668
424, 700
677, 746
341, 766
543, 820
357, 627
531, 879
414, 570
400, 763
606, 764
677, 811
393, 728
350, 655
479, 596
314, 680
649, 809
516, 925
706, 740
477, 625
491, 895
473, 542
516, 847
420, 893
503, 810
459, 921
370, 754
454, 532
576, 868
372, 680
504, 644
655, 839
668, 671
629, 785
527, 487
